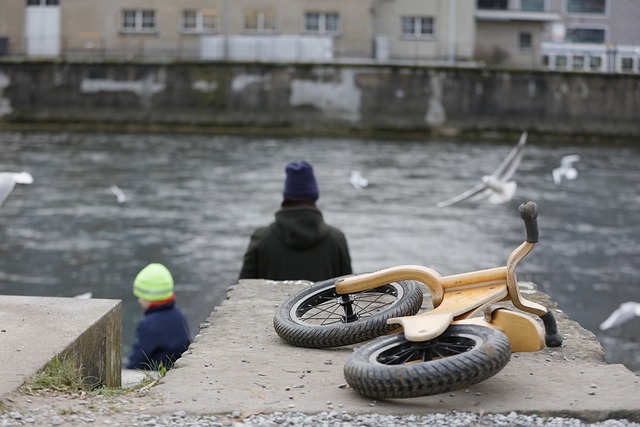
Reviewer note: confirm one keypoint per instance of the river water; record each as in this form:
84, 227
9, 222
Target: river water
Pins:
194, 200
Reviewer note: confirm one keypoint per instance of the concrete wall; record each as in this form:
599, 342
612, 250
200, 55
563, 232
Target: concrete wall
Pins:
98, 349
86, 332
319, 99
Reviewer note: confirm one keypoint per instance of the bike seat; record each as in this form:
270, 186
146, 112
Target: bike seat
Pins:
429, 324
425, 326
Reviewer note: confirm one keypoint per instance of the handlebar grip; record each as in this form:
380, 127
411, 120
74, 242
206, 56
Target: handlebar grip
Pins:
552, 338
529, 213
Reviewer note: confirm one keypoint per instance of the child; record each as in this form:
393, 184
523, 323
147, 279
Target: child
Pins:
163, 334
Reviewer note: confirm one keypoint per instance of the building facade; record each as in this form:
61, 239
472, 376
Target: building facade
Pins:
510, 32
157, 29
416, 30
506, 33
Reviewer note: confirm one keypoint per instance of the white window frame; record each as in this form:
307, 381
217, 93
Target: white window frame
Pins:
202, 17
323, 19
139, 20
262, 18
416, 32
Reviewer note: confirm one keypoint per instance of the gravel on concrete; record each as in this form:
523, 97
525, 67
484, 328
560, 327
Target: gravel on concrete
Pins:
105, 414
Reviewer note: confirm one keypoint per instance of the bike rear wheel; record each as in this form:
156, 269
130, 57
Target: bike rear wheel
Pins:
317, 317
392, 367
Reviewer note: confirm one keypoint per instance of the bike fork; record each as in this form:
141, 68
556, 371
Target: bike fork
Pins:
347, 305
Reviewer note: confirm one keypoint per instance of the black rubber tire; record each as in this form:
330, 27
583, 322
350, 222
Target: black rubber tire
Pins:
314, 317
392, 367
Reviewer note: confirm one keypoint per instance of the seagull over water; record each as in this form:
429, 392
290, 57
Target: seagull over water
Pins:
566, 169
498, 186
118, 193
358, 181
8, 181
626, 311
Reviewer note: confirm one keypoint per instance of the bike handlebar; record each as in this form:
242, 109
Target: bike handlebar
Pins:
529, 213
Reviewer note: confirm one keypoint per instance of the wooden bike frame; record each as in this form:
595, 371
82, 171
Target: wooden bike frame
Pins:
457, 298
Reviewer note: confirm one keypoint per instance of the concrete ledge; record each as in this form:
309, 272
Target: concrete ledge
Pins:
35, 329
238, 363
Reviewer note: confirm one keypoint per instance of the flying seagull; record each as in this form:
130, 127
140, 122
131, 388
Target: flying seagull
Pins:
118, 193
498, 186
8, 181
566, 169
358, 181
626, 311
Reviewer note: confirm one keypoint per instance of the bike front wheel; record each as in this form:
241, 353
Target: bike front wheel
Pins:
392, 367
318, 317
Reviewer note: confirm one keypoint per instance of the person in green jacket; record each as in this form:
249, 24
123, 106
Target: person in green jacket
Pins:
298, 245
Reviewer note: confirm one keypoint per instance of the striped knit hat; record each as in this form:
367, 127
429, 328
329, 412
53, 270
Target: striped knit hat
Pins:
153, 283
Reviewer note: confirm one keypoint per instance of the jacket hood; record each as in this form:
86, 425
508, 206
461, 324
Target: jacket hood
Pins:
300, 227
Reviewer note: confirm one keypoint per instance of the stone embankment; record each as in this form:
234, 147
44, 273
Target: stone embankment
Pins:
328, 99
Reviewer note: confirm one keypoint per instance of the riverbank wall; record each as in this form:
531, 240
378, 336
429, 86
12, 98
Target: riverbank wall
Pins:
317, 99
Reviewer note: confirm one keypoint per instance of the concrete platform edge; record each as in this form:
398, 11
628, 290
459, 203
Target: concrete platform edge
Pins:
239, 365
33, 330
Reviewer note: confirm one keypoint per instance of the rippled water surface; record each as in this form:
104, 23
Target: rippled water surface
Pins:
194, 200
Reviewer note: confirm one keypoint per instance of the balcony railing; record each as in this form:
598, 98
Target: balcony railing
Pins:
511, 10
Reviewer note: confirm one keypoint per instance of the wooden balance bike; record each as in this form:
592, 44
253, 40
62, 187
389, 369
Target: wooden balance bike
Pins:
478, 319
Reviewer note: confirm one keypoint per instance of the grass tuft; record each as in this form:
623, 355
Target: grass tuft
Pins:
59, 374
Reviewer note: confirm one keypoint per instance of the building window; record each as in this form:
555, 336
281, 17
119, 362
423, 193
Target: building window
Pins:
198, 21
585, 35
561, 62
578, 62
525, 41
587, 6
532, 5
42, 2
417, 26
595, 62
321, 22
260, 21
626, 64
493, 4
138, 21
545, 60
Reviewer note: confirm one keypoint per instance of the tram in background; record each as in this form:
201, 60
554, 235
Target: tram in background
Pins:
597, 58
